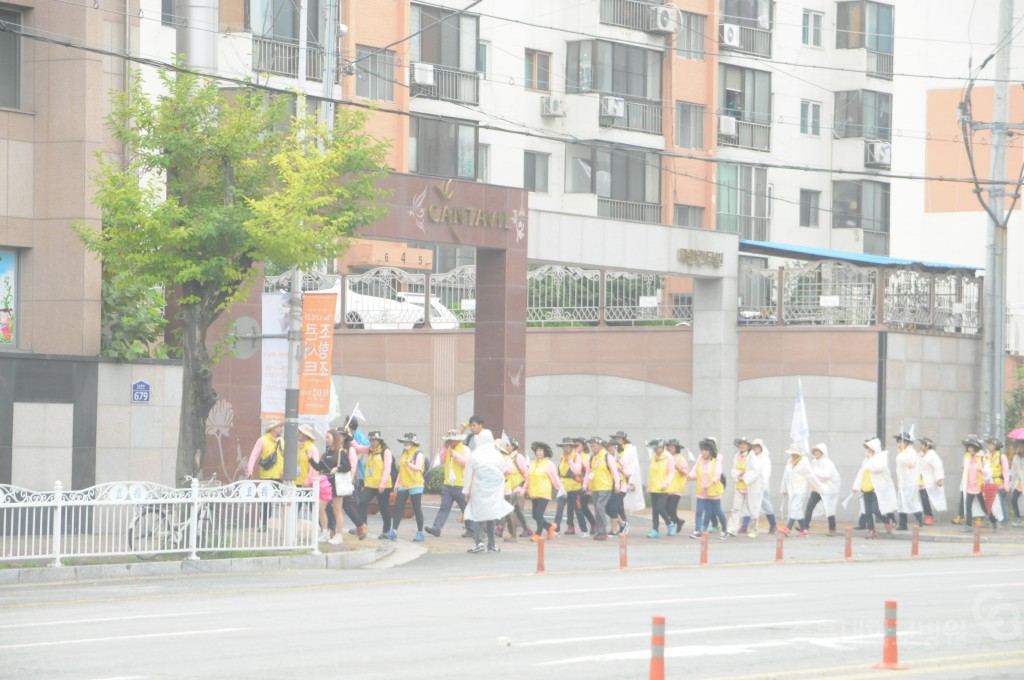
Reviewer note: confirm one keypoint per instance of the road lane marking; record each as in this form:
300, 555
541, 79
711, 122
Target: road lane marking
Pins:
917, 574
628, 603
115, 638
582, 590
104, 620
676, 631
995, 585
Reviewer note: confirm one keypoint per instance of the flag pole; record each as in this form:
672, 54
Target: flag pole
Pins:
352, 415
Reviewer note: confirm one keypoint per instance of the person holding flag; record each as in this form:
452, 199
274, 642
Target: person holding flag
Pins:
764, 464
908, 480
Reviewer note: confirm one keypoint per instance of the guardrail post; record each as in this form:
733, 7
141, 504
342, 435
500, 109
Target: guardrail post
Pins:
56, 525
314, 538
193, 519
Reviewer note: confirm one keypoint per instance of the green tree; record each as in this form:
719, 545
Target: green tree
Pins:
133, 319
211, 190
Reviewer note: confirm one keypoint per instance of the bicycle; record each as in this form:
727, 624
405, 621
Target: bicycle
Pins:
153, 529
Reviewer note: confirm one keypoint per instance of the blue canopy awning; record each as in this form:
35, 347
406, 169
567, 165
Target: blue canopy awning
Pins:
808, 253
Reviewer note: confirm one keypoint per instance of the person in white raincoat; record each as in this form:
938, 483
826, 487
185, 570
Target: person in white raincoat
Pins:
1016, 482
634, 500
796, 487
764, 461
484, 489
933, 495
874, 481
825, 485
908, 481
748, 487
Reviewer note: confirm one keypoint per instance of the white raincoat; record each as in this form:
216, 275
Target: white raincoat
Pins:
796, 487
764, 465
932, 472
634, 500
908, 481
484, 485
825, 481
881, 478
747, 504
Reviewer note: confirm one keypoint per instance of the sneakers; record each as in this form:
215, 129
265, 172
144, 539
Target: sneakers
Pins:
361, 532
383, 536
696, 534
433, 532
478, 548
672, 530
731, 532
1015, 522
570, 532
928, 520
536, 538
527, 532
751, 534
958, 520
335, 540
679, 526
624, 529
467, 534
872, 533
552, 531
784, 531
418, 538
493, 548
723, 535
509, 539
601, 537
653, 534
354, 531
324, 535
803, 532
393, 535
583, 534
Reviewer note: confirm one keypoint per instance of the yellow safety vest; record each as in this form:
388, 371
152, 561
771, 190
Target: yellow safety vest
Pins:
409, 479
602, 476
374, 468
540, 481
514, 478
996, 462
741, 466
302, 469
276, 470
659, 472
715, 489
453, 469
570, 480
678, 483
865, 483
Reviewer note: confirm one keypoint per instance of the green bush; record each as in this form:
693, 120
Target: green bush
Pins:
434, 480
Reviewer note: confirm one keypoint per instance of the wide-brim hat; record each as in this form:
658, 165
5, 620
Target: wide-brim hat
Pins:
513, 442
409, 437
502, 445
451, 435
568, 441
375, 434
622, 434
994, 440
579, 440
272, 424
794, 450
972, 440
674, 442
307, 429
757, 442
596, 438
903, 437
656, 444
741, 440
927, 442
543, 447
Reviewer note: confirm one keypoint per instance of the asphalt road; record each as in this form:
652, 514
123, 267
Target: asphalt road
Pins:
453, 615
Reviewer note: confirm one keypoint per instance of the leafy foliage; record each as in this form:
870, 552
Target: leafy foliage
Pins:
132, 319
1015, 404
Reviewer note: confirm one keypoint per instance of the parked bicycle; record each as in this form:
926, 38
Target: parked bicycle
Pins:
157, 528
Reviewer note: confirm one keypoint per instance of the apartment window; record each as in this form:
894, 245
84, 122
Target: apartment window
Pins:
811, 34
742, 200
613, 68
622, 173
535, 171
167, 12
750, 13
483, 163
482, 50
745, 94
692, 34
9, 317
10, 62
863, 113
690, 125
865, 24
449, 39
810, 118
538, 71
689, 216
809, 202
278, 20
375, 73
445, 148
860, 204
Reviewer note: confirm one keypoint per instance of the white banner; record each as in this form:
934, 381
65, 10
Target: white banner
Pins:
275, 356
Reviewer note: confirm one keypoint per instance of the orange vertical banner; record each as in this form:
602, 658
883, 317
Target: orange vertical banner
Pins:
317, 344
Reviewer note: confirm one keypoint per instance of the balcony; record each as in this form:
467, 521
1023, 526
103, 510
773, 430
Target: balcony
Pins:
282, 58
744, 134
640, 116
745, 40
446, 83
747, 226
627, 13
629, 210
879, 65
876, 242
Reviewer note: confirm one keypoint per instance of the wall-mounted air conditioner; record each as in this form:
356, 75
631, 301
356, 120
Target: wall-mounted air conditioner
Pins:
613, 107
730, 35
662, 19
727, 126
877, 154
552, 106
421, 73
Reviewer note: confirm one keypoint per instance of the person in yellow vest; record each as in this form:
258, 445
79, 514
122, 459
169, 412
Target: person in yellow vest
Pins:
570, 471
453, 457
747, 490
585, 499
377, 483
541, 482
307, 452
268, 452
601, 481
410, 484
1000, 473
616, 508
514, 479
707, 472
662, 473
677, 485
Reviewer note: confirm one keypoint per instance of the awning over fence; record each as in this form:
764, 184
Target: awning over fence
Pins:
808, 253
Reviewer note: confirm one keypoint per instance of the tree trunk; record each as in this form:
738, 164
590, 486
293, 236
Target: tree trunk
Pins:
198, 395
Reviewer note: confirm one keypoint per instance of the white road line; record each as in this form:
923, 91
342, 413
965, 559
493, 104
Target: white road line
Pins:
125, 677
918, 574
112, 618
995, 585
583, 590
676, 631
629, 603
87, 641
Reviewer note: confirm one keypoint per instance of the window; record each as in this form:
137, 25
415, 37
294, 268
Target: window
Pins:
689, 216
745, 94
690, 125
8, 294
481, 58
692, 33
863, 113
865, 24
750, 13
483, 167
375, 74
445, 148
279, 19
621, 174
811, 35
451, 40
809, 201
860, 204
167, 12
535, 171
613, 68
538, 71
742, 201
10, 62
810, 118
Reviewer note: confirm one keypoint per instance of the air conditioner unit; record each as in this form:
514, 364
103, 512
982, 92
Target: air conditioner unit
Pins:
727, 126
551, 106
662, 19
877, 154
422, 74
730, 35
613, 107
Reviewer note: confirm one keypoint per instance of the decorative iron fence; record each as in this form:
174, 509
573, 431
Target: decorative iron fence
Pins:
563, 295
948, 303
829, 293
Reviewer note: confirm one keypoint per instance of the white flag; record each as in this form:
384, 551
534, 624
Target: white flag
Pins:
799, 433
357, 414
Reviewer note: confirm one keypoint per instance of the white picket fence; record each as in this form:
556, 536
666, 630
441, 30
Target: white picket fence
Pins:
144, 519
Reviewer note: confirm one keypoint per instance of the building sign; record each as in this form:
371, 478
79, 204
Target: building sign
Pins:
700, 257
140, 392
317, 342
8, 296
440, 211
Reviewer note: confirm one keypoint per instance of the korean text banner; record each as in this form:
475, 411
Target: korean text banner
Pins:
317, 343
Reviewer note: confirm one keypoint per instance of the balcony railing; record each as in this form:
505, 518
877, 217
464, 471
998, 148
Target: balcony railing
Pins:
747, 135
876, 242
641, 116
450, 84
629, 210
282, 58
747, 226
755, 41
627, 13
879, 65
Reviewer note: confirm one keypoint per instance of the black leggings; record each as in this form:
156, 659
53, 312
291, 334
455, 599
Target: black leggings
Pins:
539, 506
417, 508
659, 508
366, 494
969, 502
672, 507
1015, 503
926, 503
871, 509
811, 503
616, 508
351, 508
570, 505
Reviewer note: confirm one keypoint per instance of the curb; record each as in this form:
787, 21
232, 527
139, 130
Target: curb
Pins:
91, 572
